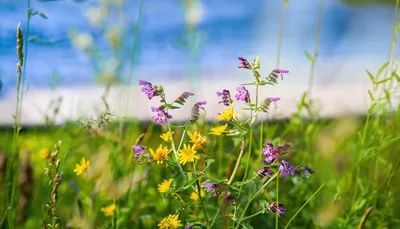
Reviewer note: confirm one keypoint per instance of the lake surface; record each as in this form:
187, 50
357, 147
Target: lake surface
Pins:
352, 39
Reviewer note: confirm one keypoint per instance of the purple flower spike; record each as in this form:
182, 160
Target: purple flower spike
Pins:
274, 99
161, 117
211, 187
242, 94
308, 171
281, 71
269, 153
148, 89
285, 168
229, 197
226, 97
201, 105
264, 171
277, 207
138, 150
243, 63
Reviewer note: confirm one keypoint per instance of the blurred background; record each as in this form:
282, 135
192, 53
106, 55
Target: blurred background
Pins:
79, 46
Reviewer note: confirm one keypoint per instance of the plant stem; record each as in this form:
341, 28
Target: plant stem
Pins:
281, 22
308, 200
255, 214
201, 200
311, 78
253, 197
133, 54
175, 150
25, 51
237, 163
216, 214
277, 200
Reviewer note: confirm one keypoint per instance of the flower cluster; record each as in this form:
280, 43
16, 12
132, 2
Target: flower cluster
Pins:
189, 180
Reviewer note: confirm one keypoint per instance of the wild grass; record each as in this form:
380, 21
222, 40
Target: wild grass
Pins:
355, 159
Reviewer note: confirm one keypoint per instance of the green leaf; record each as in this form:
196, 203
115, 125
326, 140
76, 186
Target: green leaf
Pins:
207, 164
189, 183
371, 77
262, 83
382, 81
172, 107
371, 97
244, 84
371, 108
33, 12
396, 75
308, 56
383, 67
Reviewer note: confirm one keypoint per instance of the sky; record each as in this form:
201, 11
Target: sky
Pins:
352, 38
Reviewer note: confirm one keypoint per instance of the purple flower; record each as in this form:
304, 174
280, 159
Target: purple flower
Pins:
285, 168
148, 89
274, 99
230, 198
226, 97
188, 226
280, 71
138, 150
161, 117
243, 63
269, 153
307, 171
274, 206
211, 187
264, 171
201, 105
242, 94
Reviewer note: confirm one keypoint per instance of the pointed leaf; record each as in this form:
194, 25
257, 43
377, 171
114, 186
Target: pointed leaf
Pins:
308, 56
371, 97
207, 164
371, 77
383, 67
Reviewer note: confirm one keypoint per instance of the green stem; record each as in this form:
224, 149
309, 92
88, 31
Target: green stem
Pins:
216, 214
175, 150
201, 200
254, 196
237, 164
281, 22
248, 160
308, 200
255, 214
311, 78
277, 200
133, 55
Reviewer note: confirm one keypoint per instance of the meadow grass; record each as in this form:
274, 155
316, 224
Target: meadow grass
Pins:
355, 160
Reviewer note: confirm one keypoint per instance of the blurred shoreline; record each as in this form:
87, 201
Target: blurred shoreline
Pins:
333, 100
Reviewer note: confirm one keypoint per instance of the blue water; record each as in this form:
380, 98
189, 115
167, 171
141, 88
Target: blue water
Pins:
228, 28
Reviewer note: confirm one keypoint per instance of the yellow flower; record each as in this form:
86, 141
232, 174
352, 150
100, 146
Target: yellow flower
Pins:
109, 210
218, 130
170, 222
81, 168
166, 136
187, 154
194, 196
44, 153
161, 153
165, 185
197, 139
227, 115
